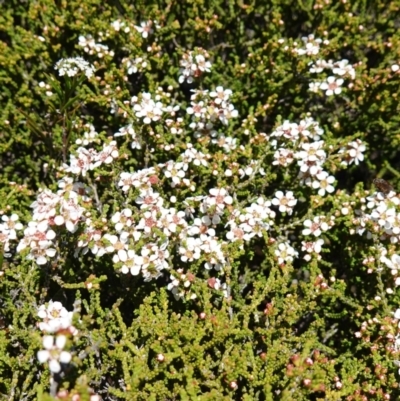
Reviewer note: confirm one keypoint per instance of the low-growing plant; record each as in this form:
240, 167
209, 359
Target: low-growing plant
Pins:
193, 202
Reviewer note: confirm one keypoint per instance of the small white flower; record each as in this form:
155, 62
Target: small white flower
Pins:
285, 253
53, 352
55, 317
145, 28
283, 157
343, 67
324, 182
315, 227
285, 202
312, 247
332, 86
353, 153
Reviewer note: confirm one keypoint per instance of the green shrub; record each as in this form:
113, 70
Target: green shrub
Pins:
194, 185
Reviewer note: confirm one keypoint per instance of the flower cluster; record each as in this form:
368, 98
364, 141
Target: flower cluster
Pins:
332, 85
90, 159
378, 216
382, 334
180, 285
353, 153
302, 142
89, 136
340, 68
146, 232
51, 211
253, 221
55, 320
72, 66
146, 108
150, 109
311, 46
208, 107
135, 65
193, 65
90, 46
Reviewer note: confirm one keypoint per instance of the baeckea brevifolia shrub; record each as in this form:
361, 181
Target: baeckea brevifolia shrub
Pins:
199, 200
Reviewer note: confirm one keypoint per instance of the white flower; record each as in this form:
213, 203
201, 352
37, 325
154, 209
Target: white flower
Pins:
148, 109
324, 183
312, 46
332, 86
175, 171
53, 352
193, 66
311, 157
118, 245
221, 95
285, 202
393, 263
314, 86
312, 247
190, 250
353, 153
129, 130
118, 24
219, 197
343, 67
283, 157
145, 28
122, 219
55, 317
10, 225
90, 46
133, 263
135, 65
315, 227
285, 253
71, 67
319, 66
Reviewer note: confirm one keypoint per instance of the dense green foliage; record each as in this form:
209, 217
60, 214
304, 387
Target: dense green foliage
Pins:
320, 328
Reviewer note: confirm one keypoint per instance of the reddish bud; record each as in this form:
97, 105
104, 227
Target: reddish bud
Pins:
268, 309
211, 282
295, 359
153, 179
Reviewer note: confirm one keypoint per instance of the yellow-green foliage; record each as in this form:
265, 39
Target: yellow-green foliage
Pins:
272, 331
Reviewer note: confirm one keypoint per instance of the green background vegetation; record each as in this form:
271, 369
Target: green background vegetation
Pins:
267, 325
